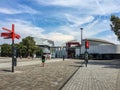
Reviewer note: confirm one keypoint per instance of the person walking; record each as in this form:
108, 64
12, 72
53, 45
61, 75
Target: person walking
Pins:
86, 58
43, 60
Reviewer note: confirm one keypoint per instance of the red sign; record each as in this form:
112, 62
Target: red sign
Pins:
86, 44
7, 37
7, 29
17, 36
4, 34
10, 33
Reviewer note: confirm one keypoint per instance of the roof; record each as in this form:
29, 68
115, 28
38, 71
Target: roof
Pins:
98, 41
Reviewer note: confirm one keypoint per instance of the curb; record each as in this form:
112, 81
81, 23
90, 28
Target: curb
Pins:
70, 77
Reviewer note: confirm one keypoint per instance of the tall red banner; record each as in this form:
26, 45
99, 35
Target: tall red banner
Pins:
86, 44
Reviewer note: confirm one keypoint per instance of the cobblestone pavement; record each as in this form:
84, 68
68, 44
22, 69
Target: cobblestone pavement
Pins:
99, 75
29, 75
36, 77
7, 62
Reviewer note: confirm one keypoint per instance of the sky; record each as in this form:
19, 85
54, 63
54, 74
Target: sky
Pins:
59, 20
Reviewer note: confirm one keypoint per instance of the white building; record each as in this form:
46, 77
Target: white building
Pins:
102, 49
45, 44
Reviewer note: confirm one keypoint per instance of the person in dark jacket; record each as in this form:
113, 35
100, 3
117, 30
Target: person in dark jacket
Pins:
43, 60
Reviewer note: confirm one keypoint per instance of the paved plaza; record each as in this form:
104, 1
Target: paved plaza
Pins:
99, 75
30, 75
60, 75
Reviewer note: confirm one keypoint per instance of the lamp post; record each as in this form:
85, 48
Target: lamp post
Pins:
81, 42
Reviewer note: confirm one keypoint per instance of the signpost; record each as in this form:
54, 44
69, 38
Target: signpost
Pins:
8, 35
86, 54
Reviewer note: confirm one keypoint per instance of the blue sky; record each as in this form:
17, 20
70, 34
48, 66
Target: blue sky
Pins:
59, 20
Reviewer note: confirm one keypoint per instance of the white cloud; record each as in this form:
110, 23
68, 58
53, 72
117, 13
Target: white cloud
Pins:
66, 3
80, 12
56, 36
98, 27
27, 9
108, 7
8, 11
23, 28
60, 34
90, 7
26, 28
95, 28
111, 38
77, 20
59, 38
19, 9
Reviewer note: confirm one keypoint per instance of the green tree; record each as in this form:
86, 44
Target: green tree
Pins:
115, 26
21, 49
25, 48
28, 46
6, 50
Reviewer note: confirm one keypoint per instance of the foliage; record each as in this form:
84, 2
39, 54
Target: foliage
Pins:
6, 50
115, 26
25, 48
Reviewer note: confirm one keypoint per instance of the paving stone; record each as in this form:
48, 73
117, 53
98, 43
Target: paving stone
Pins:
99, 75
30, 75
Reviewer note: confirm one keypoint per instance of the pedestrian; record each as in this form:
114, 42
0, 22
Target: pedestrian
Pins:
86, 58
43, 60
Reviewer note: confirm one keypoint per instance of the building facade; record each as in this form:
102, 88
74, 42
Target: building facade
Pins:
45, 44
98, 49
101, 49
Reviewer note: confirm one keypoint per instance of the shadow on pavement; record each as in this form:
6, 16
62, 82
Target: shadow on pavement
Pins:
106, 63
5, 70
76, 65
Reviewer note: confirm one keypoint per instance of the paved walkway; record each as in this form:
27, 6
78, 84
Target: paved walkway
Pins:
36, 77
99, 75
8, 62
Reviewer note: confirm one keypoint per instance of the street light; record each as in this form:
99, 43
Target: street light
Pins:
81, 41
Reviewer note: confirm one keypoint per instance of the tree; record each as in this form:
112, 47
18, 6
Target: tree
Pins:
115, 26
21, 50
28, 46
25, 48
6, 50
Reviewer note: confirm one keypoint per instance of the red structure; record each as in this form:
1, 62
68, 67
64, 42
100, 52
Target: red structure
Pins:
71, 48
86, 44
11, 35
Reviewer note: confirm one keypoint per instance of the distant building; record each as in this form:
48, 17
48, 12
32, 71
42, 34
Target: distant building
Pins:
45, 44
68, 50
98, 49
71, 48
102, 49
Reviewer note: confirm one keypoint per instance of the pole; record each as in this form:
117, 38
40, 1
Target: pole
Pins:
81, 43
12, 47
12, 55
